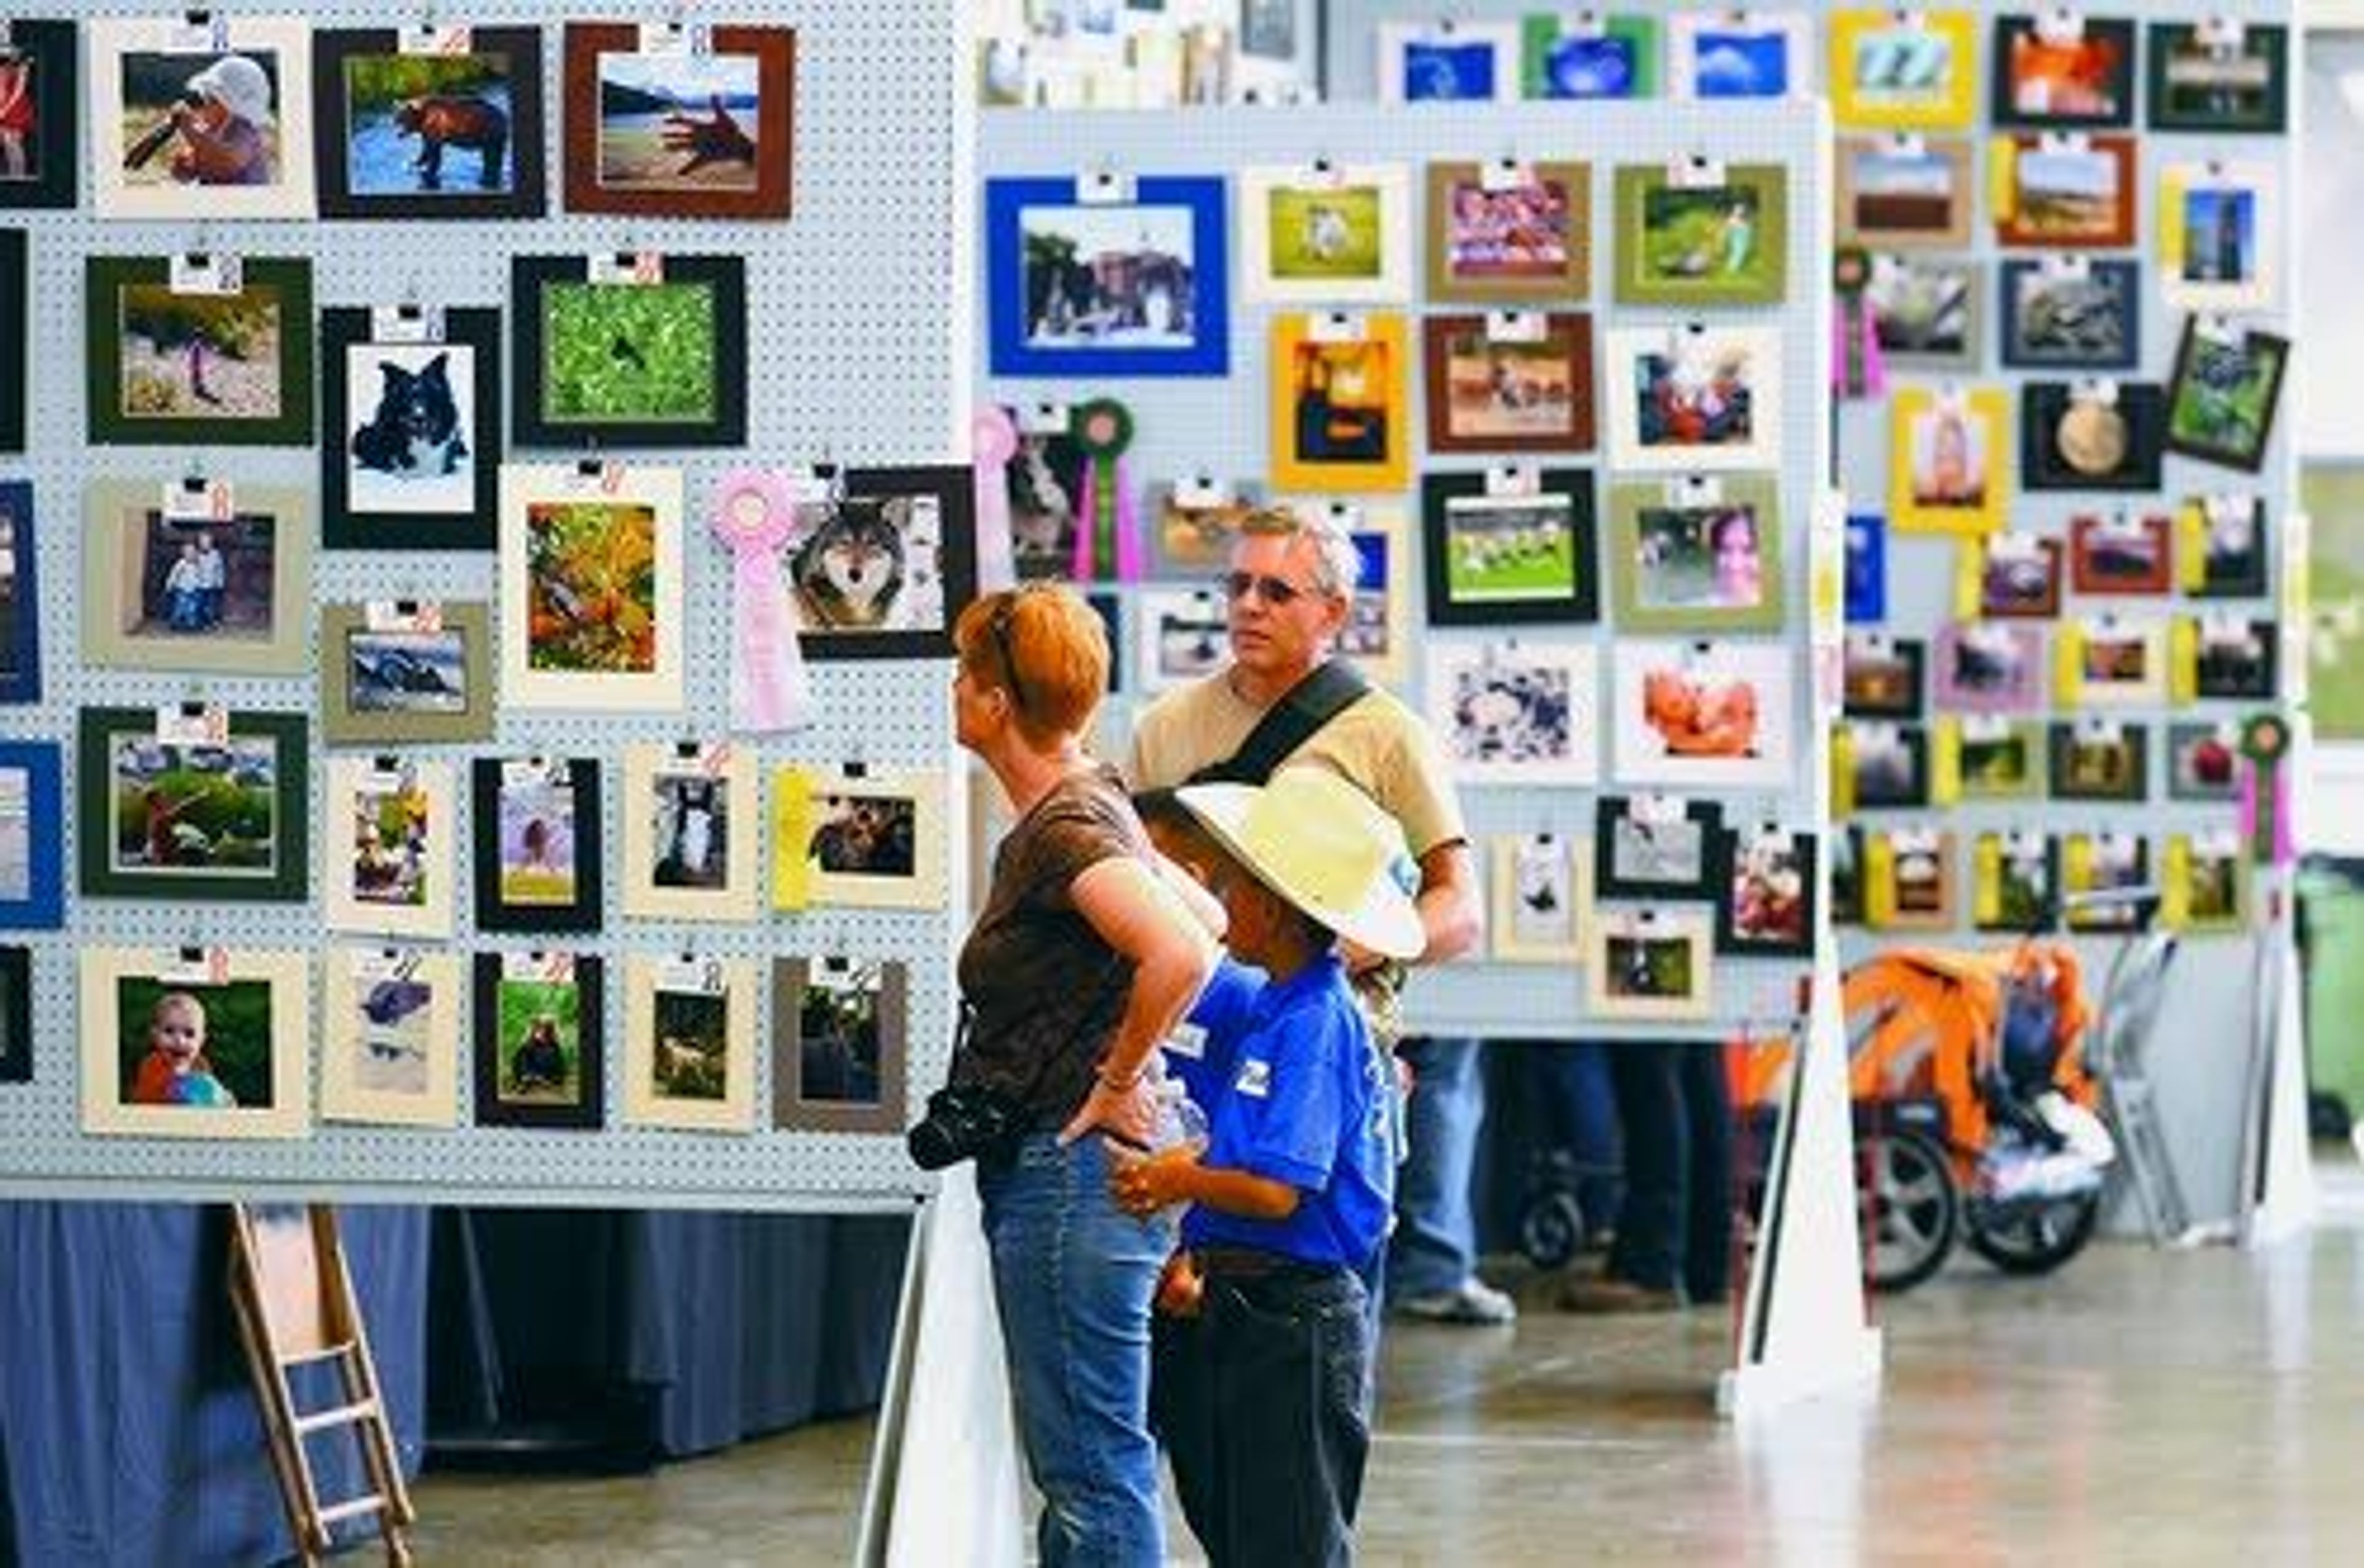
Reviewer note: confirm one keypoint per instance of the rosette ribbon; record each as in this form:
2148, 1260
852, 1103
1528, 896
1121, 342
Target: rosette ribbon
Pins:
754, 517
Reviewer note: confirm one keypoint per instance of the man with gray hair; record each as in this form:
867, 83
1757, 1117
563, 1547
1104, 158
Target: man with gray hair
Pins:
1289, 592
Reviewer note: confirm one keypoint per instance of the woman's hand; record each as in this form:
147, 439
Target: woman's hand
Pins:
1141, 1184
1179, 1287
1130, 1112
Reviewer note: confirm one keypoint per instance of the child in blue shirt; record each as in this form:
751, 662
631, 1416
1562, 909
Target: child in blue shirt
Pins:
1261, 1345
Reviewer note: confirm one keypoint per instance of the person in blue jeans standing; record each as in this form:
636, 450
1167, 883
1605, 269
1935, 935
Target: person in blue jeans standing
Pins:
1083, 958
1431, 1267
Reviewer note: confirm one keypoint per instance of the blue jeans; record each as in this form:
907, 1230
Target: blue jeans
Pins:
1073, 1277
1436, 1244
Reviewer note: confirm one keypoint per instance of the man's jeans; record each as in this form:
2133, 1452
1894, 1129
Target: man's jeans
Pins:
1436, 1244
1073, 1277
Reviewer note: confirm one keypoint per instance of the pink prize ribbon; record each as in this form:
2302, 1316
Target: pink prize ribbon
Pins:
753, 517
993, 441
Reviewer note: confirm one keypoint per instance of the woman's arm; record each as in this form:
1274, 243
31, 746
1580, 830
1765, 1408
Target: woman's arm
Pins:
1138, 916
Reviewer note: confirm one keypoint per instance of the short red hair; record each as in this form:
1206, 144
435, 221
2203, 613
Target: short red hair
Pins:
1059, 648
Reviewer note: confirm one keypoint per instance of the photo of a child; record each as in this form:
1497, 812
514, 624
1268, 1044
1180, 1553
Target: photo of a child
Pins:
193, 1047
213, 126
19, 117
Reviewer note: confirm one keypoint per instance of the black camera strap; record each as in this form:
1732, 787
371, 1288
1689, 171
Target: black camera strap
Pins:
1329, 690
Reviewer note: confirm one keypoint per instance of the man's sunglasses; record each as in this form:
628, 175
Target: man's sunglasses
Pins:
1277, 592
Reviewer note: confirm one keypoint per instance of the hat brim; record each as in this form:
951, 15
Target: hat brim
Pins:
1386, 921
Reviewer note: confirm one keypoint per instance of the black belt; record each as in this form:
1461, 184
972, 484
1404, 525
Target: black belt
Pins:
1249, 1262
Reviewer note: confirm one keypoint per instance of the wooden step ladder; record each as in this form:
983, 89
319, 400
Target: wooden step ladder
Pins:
295, 1308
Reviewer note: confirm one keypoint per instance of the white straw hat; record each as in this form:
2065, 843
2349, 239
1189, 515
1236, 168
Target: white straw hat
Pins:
1322, 844
239, 84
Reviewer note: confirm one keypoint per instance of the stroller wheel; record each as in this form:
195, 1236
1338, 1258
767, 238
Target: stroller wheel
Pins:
1551, 1229
2038, 1241
1909, 1206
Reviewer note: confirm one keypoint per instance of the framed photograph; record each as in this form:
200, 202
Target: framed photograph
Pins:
201, 807
2060, 71
2064, 192
2217, 223
883, 565
1195, 522
1649, 964
1693, 397
2224, 392
2101, 759
1110, 607
537, 830
390, 1036
1765, 907
1654, 845
40, 99
406, 672
2017, 879
2205, 762
591, 583
542, 1036
196, 1043
16, 332
1884, 676
1699, 553
387, 856
32, 836
858, 837
1510, 381
1705, 714
2220, 75
2224, 658
1184, 634
1539, 899
1899, 70
1044, 486
641, 351
1949, 460
1903, 192
202, 119
1341, 410
1082, 285
1867, 567
2092, 435
1924, 311
2071, 313
412, 402
225, 358
1448, 61
2102, 862
175, 579
2109, 662
1846, 876
1983, 758
1738, 55
2122, 554
1516, 712
1693, 232
1498, 552
1986, 666
1908, 879
404, 134
662, 122
841, 1044
1508, 233
1573, 56
16, 1015
1377, 635
691, 814
2010, 576
20, 595
2220, 551
689, 1043
1329, 234
2205, 884
1879, 767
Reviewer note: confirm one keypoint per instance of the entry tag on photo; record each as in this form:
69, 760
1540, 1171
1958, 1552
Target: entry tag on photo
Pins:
2221, 35
407, 324
437, 39
2064, 142
696, 759
2100, 732
840, 974
2216, 844
1105, 188
1695, 172
197, 499
1344, 515
689, 975
2059, 27
677, 37
1202, 491
2099, 390
1908, 144
1695, 490
1985, 728
194, 966
543, 968
1044, 419
625, 268
386, 615
1501, 174
1509, 481
2211, 327
197, 31
2014, 548
814, 485
381, 965
1656, 810
193, 724
2068, 269
518, 771
1517, 326
2121, 525
205, 272
1336, 327
1321, 175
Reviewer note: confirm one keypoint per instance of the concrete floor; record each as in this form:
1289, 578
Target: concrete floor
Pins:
2202, 1407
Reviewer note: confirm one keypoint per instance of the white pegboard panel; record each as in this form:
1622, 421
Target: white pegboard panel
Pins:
1218, 426
851, 357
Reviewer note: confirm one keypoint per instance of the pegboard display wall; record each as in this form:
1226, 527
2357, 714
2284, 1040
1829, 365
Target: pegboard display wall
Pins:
1217, 427
850, 359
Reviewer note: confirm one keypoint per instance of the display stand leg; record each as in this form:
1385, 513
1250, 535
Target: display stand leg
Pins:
2277, 1196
